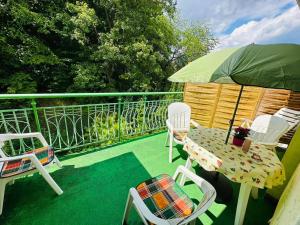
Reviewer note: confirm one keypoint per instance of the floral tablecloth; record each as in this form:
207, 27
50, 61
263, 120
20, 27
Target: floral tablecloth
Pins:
259, 167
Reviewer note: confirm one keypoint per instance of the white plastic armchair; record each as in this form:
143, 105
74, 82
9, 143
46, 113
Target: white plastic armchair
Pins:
148, 217
290, 115
178, 123
266, 129
35, 164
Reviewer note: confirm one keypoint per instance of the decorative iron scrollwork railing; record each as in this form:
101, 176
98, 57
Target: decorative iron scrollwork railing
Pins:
79, 125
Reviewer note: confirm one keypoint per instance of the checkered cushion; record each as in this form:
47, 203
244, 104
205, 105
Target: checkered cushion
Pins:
10, 168
165, 198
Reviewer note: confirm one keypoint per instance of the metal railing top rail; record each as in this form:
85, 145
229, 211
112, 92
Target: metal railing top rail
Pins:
82, 95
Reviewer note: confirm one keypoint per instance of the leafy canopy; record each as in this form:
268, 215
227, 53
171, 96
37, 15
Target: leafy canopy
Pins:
94, 45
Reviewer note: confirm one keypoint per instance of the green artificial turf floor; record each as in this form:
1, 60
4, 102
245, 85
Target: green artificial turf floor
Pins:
96, 185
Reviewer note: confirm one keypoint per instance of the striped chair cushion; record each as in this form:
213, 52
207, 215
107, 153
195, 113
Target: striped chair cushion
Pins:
165, 198
10, 168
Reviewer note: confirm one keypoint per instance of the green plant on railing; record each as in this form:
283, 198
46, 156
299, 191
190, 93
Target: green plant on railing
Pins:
105, 130
132, 118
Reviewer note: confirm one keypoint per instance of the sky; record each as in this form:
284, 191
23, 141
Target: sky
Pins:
242, 22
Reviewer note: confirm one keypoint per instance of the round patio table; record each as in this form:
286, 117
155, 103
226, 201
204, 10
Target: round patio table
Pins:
258, 168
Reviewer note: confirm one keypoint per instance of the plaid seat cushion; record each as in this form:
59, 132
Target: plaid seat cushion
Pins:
10, 168
165, 198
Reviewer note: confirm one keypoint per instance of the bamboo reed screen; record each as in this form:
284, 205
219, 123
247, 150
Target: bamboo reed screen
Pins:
213, 104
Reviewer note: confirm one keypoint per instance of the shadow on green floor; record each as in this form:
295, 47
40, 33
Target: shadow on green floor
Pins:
94, 194
96, 186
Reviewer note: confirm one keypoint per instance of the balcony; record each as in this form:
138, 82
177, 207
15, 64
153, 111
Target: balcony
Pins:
105, 148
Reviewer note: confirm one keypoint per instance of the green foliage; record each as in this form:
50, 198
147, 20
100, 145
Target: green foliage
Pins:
20, 82
94, 45
196, 41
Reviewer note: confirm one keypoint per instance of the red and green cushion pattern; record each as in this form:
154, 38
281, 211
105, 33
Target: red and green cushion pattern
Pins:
10, 168
165, 198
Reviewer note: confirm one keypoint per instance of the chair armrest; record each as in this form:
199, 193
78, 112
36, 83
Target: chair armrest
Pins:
195, 124
143, 209
262, 143
32, 157
16, 157
268, 143
207, 189
10, 136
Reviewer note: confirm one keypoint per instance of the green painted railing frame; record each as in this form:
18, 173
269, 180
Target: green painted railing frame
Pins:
83, 95
119, 104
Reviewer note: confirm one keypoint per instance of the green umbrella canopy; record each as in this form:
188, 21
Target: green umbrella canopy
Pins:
271, 66
202, 69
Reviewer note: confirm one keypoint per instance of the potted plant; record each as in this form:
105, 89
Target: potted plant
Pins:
240, 133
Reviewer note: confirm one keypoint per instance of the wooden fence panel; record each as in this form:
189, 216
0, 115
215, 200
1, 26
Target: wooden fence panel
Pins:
213, 104
202, 98
227, 102
273, 100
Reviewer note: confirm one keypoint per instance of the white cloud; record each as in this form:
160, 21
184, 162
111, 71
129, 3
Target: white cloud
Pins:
262, 30
221, 13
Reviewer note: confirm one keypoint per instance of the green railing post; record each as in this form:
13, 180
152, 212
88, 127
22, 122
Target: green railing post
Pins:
119, 118
144, 113
36, 115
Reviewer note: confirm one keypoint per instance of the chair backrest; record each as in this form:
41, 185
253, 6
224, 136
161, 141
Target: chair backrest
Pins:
179, 115
268, 128
290, 115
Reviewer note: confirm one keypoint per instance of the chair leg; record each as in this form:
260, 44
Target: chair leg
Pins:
188, 165
11, 182
170, 149
58, 163
193, 222
127, 209
167, 139
2, 191
142, 216
254, 192
46, 176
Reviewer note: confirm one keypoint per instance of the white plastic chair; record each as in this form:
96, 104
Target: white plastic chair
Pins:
266, 129
33, 164
178, 123
290, 115
148, 217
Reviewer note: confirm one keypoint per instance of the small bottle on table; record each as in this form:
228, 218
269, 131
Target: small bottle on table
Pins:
246, 145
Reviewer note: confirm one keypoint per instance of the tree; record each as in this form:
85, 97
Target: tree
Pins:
94, 45
195, 40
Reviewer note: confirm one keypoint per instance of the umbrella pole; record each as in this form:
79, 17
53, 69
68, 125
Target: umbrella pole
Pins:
234, 114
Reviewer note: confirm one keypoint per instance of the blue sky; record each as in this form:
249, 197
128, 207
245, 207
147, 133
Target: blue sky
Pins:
241, 22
